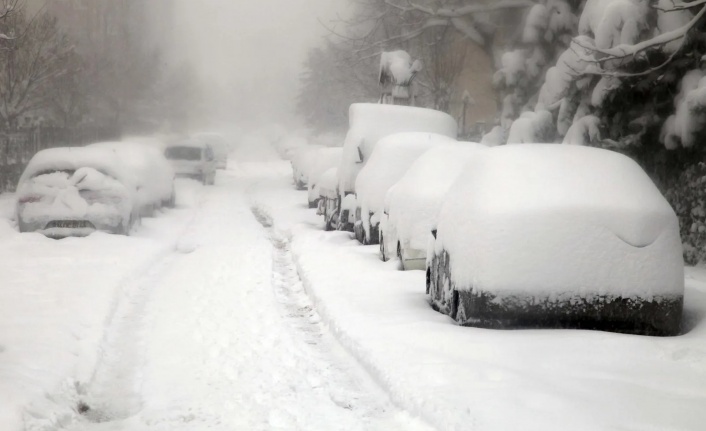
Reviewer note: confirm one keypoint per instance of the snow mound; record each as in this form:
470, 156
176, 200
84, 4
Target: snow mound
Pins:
326, 158
392, 157
413, 203
370, 122
549, 219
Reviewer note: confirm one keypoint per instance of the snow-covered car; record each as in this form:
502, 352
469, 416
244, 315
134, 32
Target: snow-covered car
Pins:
393, 155
412, 204
219, 145
287, 146
368, 123
75, 192
326, 158
328, 198
302, 162
546, 235
193, 159
152, 173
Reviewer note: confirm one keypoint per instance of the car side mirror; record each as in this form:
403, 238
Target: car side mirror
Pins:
433, 233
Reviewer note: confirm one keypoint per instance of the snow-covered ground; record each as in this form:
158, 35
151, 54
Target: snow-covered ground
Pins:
235, 311
459, 378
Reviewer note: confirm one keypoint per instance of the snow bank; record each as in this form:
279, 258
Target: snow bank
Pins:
392, 157
370, 122
413, 203
326, 158
552, 219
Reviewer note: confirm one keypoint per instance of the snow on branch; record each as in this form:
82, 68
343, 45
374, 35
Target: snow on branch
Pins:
628, 51
462, 11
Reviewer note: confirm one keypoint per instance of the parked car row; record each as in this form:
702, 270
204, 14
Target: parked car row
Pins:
109, 186
516, 236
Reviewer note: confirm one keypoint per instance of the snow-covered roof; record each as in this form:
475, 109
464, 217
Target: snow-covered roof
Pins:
328, 183
73, 158
369, 122
556, 218
152, 171
413, 203
393, 155
304, 159
326, 158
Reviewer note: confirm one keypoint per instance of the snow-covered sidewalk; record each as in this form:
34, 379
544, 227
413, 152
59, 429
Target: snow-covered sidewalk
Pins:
460, 378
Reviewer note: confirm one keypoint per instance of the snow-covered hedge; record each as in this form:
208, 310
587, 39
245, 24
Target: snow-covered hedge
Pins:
553, 232
688, 197
370, 122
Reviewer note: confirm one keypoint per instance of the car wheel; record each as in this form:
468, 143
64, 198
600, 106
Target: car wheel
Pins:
461, 316
399, 256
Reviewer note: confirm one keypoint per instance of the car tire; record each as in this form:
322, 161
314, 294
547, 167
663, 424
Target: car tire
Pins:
399, 256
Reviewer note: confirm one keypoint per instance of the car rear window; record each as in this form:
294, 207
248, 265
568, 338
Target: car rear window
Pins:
183, 153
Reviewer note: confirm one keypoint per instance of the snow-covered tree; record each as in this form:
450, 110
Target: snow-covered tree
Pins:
32, 60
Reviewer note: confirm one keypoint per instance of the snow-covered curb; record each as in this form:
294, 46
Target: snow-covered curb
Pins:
465, 378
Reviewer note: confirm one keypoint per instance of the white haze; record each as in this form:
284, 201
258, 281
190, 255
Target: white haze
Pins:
249, 54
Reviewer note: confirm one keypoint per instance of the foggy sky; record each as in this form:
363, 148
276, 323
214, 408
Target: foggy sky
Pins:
250, 52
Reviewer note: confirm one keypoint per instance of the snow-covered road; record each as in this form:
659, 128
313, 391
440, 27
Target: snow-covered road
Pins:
198, 321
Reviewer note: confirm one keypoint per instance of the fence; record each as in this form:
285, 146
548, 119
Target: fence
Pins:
18, 147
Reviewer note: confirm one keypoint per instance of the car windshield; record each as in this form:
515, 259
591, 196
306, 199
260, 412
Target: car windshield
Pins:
183, 153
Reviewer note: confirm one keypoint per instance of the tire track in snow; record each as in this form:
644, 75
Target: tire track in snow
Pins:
111, 392
348, 385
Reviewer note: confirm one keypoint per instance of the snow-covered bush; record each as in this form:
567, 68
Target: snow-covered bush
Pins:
532, 127
688, 197
392, 157
558, 235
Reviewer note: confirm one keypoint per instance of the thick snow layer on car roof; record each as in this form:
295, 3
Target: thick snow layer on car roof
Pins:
304, 159
152, 171
369, 122
413, 203
328, 183
392, 157
326, 158
555, 218
73, 158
